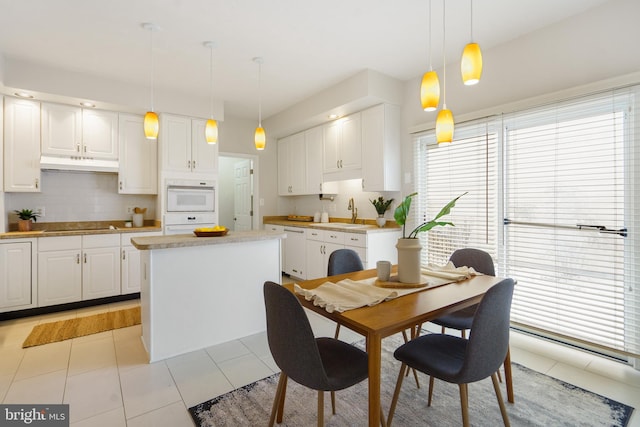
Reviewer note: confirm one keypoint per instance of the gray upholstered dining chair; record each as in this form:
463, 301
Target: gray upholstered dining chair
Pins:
462, 361
322, 364
342, 261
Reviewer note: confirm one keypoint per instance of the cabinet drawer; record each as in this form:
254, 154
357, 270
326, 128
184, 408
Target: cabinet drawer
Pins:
61, 243
100, 241
355, 239
334, 237
313, 234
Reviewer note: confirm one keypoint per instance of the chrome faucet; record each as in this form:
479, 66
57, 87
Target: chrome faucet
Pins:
354, 210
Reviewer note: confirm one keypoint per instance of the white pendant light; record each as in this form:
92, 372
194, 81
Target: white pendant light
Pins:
471, 63
151, 124
444, 121
430, 86
211, 129
260, 138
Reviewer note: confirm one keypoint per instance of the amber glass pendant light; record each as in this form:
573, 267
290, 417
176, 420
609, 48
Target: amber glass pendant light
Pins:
260, 138
151, 123
444, 121
471, 63
430, 86
211, 129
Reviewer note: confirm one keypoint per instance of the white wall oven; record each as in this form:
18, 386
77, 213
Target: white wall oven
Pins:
189, 204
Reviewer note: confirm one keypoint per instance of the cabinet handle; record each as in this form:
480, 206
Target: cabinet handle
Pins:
121, 185
77, 258
84, 148
85, 258
193, 163
123, 255
37, 182
189, 164
338, 164
363, 183
320, 185
78, 148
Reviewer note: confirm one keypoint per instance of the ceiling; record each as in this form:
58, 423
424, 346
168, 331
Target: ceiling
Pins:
306, 45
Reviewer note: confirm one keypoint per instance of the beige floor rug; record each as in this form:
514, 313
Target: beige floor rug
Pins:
81, 326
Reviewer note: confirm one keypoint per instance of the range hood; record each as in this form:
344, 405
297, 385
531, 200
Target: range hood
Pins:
71, 164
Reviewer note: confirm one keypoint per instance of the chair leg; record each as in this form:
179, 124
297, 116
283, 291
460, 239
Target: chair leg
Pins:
383, 423
443, 329
396, 393
282, 384
508, 378
337, 331
333, 402
320, 408
430, 390
464, 404
281, 402
499, 375
503, 409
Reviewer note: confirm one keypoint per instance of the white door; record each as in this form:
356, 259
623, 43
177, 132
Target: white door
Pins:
243, 195
59, 277
15, 274
100, 273
99, 134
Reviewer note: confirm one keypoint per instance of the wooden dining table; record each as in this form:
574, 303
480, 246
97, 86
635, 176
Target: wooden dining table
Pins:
400, 314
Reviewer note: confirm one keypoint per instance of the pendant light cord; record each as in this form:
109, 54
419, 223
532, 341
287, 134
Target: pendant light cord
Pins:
430, 64
151, 30
259, 93
444, 59
471, 16
211, 81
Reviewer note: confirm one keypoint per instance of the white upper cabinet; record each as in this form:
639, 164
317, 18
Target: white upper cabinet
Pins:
381, 151
99, 134
138, 166
342, 140
184, 147
21, 145
292, 170
69, 131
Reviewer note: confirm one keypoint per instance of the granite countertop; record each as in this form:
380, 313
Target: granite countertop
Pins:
186, 240
80, 228
362, 226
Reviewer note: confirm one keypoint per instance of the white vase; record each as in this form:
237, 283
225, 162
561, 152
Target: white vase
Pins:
381, 221
409, 260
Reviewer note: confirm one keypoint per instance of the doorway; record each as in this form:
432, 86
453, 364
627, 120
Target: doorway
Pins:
236, 191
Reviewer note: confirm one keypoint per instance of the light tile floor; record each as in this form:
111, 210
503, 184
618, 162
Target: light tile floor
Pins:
107, 381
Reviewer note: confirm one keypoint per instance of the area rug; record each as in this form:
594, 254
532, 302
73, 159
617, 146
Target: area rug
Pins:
81, 326
539, 401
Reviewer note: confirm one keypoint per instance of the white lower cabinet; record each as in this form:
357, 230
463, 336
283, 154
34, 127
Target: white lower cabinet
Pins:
131, 279
320, 245
17, 274
59, 270
295, 248
279, 229
371, 247
78, 268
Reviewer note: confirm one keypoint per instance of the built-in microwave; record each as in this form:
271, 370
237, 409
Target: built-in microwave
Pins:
190, 196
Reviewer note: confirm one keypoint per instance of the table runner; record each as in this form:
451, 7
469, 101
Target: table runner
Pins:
349, 294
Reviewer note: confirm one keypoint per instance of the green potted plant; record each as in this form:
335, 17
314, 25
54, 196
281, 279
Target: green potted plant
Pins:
26, 218
381, 206
408, 245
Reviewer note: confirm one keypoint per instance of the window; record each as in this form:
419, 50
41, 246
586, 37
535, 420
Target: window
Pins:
559, 216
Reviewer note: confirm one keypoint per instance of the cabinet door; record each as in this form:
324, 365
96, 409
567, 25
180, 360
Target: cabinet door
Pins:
100, 272
351, 142
283, 167
297, 164
59, 277
175, 139
130, 270
316, 264
61, 130
138, 172
330, 141
15, 275
21, 145
204, 156
99, 134
381, 157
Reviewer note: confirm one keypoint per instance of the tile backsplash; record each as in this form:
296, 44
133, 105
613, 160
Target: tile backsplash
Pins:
79, 196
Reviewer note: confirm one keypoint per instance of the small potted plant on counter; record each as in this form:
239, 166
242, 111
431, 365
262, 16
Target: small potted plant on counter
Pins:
381, 206
26, 218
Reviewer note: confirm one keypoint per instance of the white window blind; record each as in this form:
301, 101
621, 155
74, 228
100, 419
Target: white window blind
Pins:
569, 233
444, 172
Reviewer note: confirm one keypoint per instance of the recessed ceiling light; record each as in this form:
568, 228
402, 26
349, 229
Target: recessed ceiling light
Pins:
333, 116
23, 95
88, 104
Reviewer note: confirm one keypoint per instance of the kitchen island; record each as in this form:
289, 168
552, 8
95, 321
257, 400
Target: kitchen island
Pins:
202, 291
